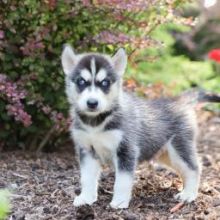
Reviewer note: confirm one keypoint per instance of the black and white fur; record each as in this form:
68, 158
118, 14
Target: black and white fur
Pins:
112, 126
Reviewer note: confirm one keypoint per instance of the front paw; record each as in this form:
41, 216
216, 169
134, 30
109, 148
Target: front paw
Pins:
84, 200
119, 204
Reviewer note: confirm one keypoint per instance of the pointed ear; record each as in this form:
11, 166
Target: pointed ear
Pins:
68, 59
120, 61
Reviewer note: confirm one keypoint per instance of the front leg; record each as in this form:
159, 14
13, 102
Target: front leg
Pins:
90, 172
125, 162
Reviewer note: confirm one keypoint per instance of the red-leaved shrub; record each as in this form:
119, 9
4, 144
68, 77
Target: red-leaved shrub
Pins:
33, 108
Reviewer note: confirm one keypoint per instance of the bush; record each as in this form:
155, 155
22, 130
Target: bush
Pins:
33, 106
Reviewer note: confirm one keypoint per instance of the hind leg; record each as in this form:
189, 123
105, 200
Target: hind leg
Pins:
191, 185
184, 157
184, 161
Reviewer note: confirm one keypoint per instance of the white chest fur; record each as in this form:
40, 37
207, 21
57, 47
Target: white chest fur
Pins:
104, 143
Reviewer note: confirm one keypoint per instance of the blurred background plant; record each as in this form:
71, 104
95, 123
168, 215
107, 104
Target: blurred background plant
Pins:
33, 108
4, 204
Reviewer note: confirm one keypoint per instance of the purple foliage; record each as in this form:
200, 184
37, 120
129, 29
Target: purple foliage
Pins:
2, 34
14, 96
128, 5
112, 38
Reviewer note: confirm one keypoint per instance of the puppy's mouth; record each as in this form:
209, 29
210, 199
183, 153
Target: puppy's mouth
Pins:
89, 112
92, 112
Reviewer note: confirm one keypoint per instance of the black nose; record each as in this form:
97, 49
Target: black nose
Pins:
92, 103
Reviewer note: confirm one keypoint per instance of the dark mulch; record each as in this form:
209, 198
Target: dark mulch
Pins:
44, 186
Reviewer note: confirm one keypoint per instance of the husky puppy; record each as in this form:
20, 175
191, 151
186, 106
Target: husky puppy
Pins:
112, 126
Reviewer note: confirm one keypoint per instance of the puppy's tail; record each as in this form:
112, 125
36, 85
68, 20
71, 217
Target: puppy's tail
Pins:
208, 97
195, 96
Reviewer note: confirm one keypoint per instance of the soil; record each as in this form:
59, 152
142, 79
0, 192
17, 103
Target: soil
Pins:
43, 186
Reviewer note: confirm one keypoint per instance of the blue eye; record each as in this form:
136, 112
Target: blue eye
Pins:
105, 83
81, 82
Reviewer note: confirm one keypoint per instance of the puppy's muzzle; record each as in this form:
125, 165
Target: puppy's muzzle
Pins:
92, 104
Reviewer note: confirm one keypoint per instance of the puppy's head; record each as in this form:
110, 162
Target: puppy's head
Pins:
93, 81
